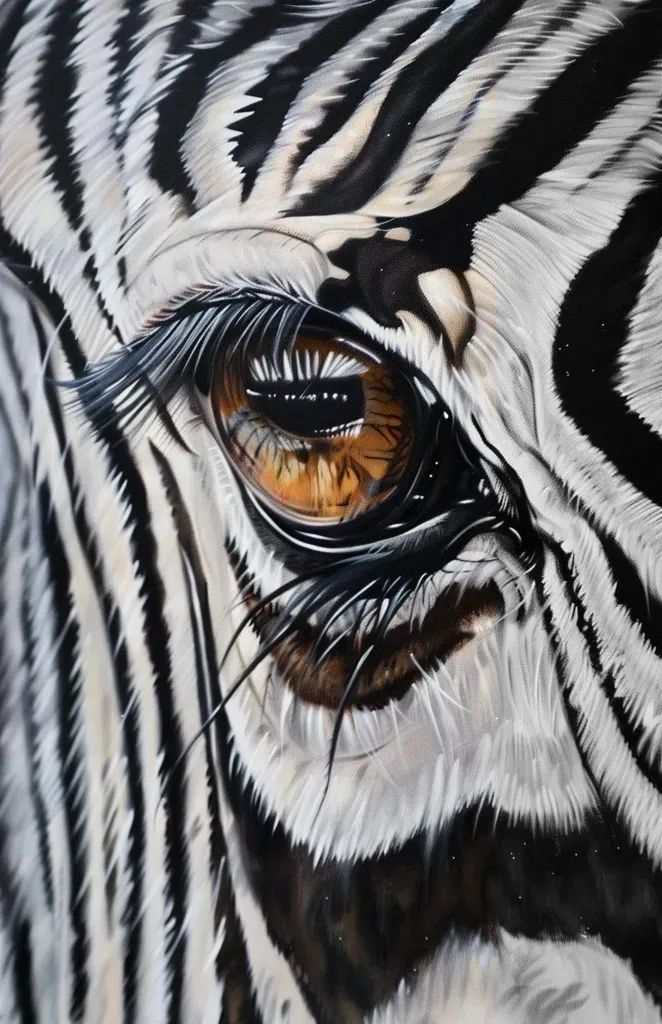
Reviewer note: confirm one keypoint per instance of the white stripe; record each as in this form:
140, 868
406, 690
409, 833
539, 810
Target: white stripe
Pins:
640, 359
515, 980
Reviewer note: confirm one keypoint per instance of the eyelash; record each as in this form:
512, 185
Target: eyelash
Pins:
280, 367
177, 353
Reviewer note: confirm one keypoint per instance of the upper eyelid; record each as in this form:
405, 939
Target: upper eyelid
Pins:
198, 299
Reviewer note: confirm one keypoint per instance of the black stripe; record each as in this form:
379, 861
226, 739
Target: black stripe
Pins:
367, 72
417, 86
127, 705
564, 15
18, 960
21, 943
596, 882
282, 82
123, 47
189, 15
12, 462
32, 643
20, 954
381, 277
54, 94
632, 928
633, 735
593, 325
643, 608
152, 593
71, 758
171, 173
25, 1003
205, 647
179, 107
239, 998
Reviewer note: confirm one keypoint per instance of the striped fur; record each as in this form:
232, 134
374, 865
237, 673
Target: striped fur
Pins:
490, 846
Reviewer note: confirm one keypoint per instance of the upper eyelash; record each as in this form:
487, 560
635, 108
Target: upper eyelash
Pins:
303, 366
159, 360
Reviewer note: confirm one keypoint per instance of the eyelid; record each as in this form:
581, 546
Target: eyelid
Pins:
224, 257
197, 299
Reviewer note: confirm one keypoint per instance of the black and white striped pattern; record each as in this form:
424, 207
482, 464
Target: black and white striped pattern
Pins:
496, 835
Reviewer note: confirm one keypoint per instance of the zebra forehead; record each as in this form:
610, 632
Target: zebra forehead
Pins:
309, 109
334, 119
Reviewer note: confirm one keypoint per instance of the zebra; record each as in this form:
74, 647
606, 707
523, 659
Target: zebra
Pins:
330, 580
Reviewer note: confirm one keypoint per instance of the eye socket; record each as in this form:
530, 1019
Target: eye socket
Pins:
321, 428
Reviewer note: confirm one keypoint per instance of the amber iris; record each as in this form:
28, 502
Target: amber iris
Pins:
321, 428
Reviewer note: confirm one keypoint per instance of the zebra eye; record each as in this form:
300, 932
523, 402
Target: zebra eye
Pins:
323, 429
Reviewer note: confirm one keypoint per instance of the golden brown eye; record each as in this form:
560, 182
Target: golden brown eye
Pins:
321, 428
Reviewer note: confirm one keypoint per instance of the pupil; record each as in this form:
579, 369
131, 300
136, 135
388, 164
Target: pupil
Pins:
310, 408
